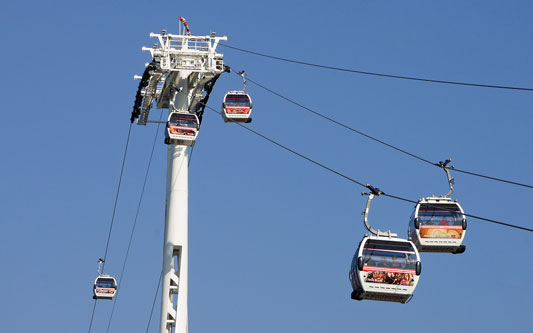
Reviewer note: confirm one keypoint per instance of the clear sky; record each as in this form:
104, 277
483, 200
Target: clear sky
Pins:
271, 235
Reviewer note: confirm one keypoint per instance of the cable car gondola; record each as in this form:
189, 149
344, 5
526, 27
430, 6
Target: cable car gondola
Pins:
105, 286
237, 105
438, 224
182, 128
384, 267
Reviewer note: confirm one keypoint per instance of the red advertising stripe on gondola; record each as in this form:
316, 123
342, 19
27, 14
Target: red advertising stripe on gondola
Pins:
386, 250
388, 270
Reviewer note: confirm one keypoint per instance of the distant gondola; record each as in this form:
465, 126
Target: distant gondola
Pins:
237, 107
438, 223
105, 287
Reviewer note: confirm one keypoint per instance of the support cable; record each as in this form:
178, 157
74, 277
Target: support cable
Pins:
190, 156
381, 141
153, 303
116, 197
92, 316
412, 78
491, 178
135, 222
355, 181
290, 150
113, 214
339, 123
469, 215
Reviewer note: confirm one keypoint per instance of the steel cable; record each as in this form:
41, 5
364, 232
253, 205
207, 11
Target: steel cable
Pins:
134, 222
412, 78
353, 180
381, 141
113, 214
153, 303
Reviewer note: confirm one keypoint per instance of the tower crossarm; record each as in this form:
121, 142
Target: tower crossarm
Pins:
182, 52
171, 55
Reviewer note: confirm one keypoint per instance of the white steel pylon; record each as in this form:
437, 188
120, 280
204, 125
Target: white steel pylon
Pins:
183, 71
174, 312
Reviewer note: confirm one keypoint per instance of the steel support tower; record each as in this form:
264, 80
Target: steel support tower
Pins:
183, 71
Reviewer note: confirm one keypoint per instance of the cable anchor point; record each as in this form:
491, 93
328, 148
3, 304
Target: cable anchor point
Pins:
373, 190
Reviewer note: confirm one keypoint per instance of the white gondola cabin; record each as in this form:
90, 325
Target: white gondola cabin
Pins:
182, 128
385, 269
237, 107
105, 287
438, 224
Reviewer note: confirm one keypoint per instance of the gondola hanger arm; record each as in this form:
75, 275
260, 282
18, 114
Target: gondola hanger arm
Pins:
241, 73
373, 192
451, 181
100, 262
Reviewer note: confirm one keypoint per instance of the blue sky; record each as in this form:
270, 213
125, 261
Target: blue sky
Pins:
271, 235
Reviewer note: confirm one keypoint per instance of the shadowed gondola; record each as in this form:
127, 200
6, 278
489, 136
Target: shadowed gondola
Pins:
182, 129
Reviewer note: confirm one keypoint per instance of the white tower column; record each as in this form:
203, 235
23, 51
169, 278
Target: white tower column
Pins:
175, 249
180, 77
